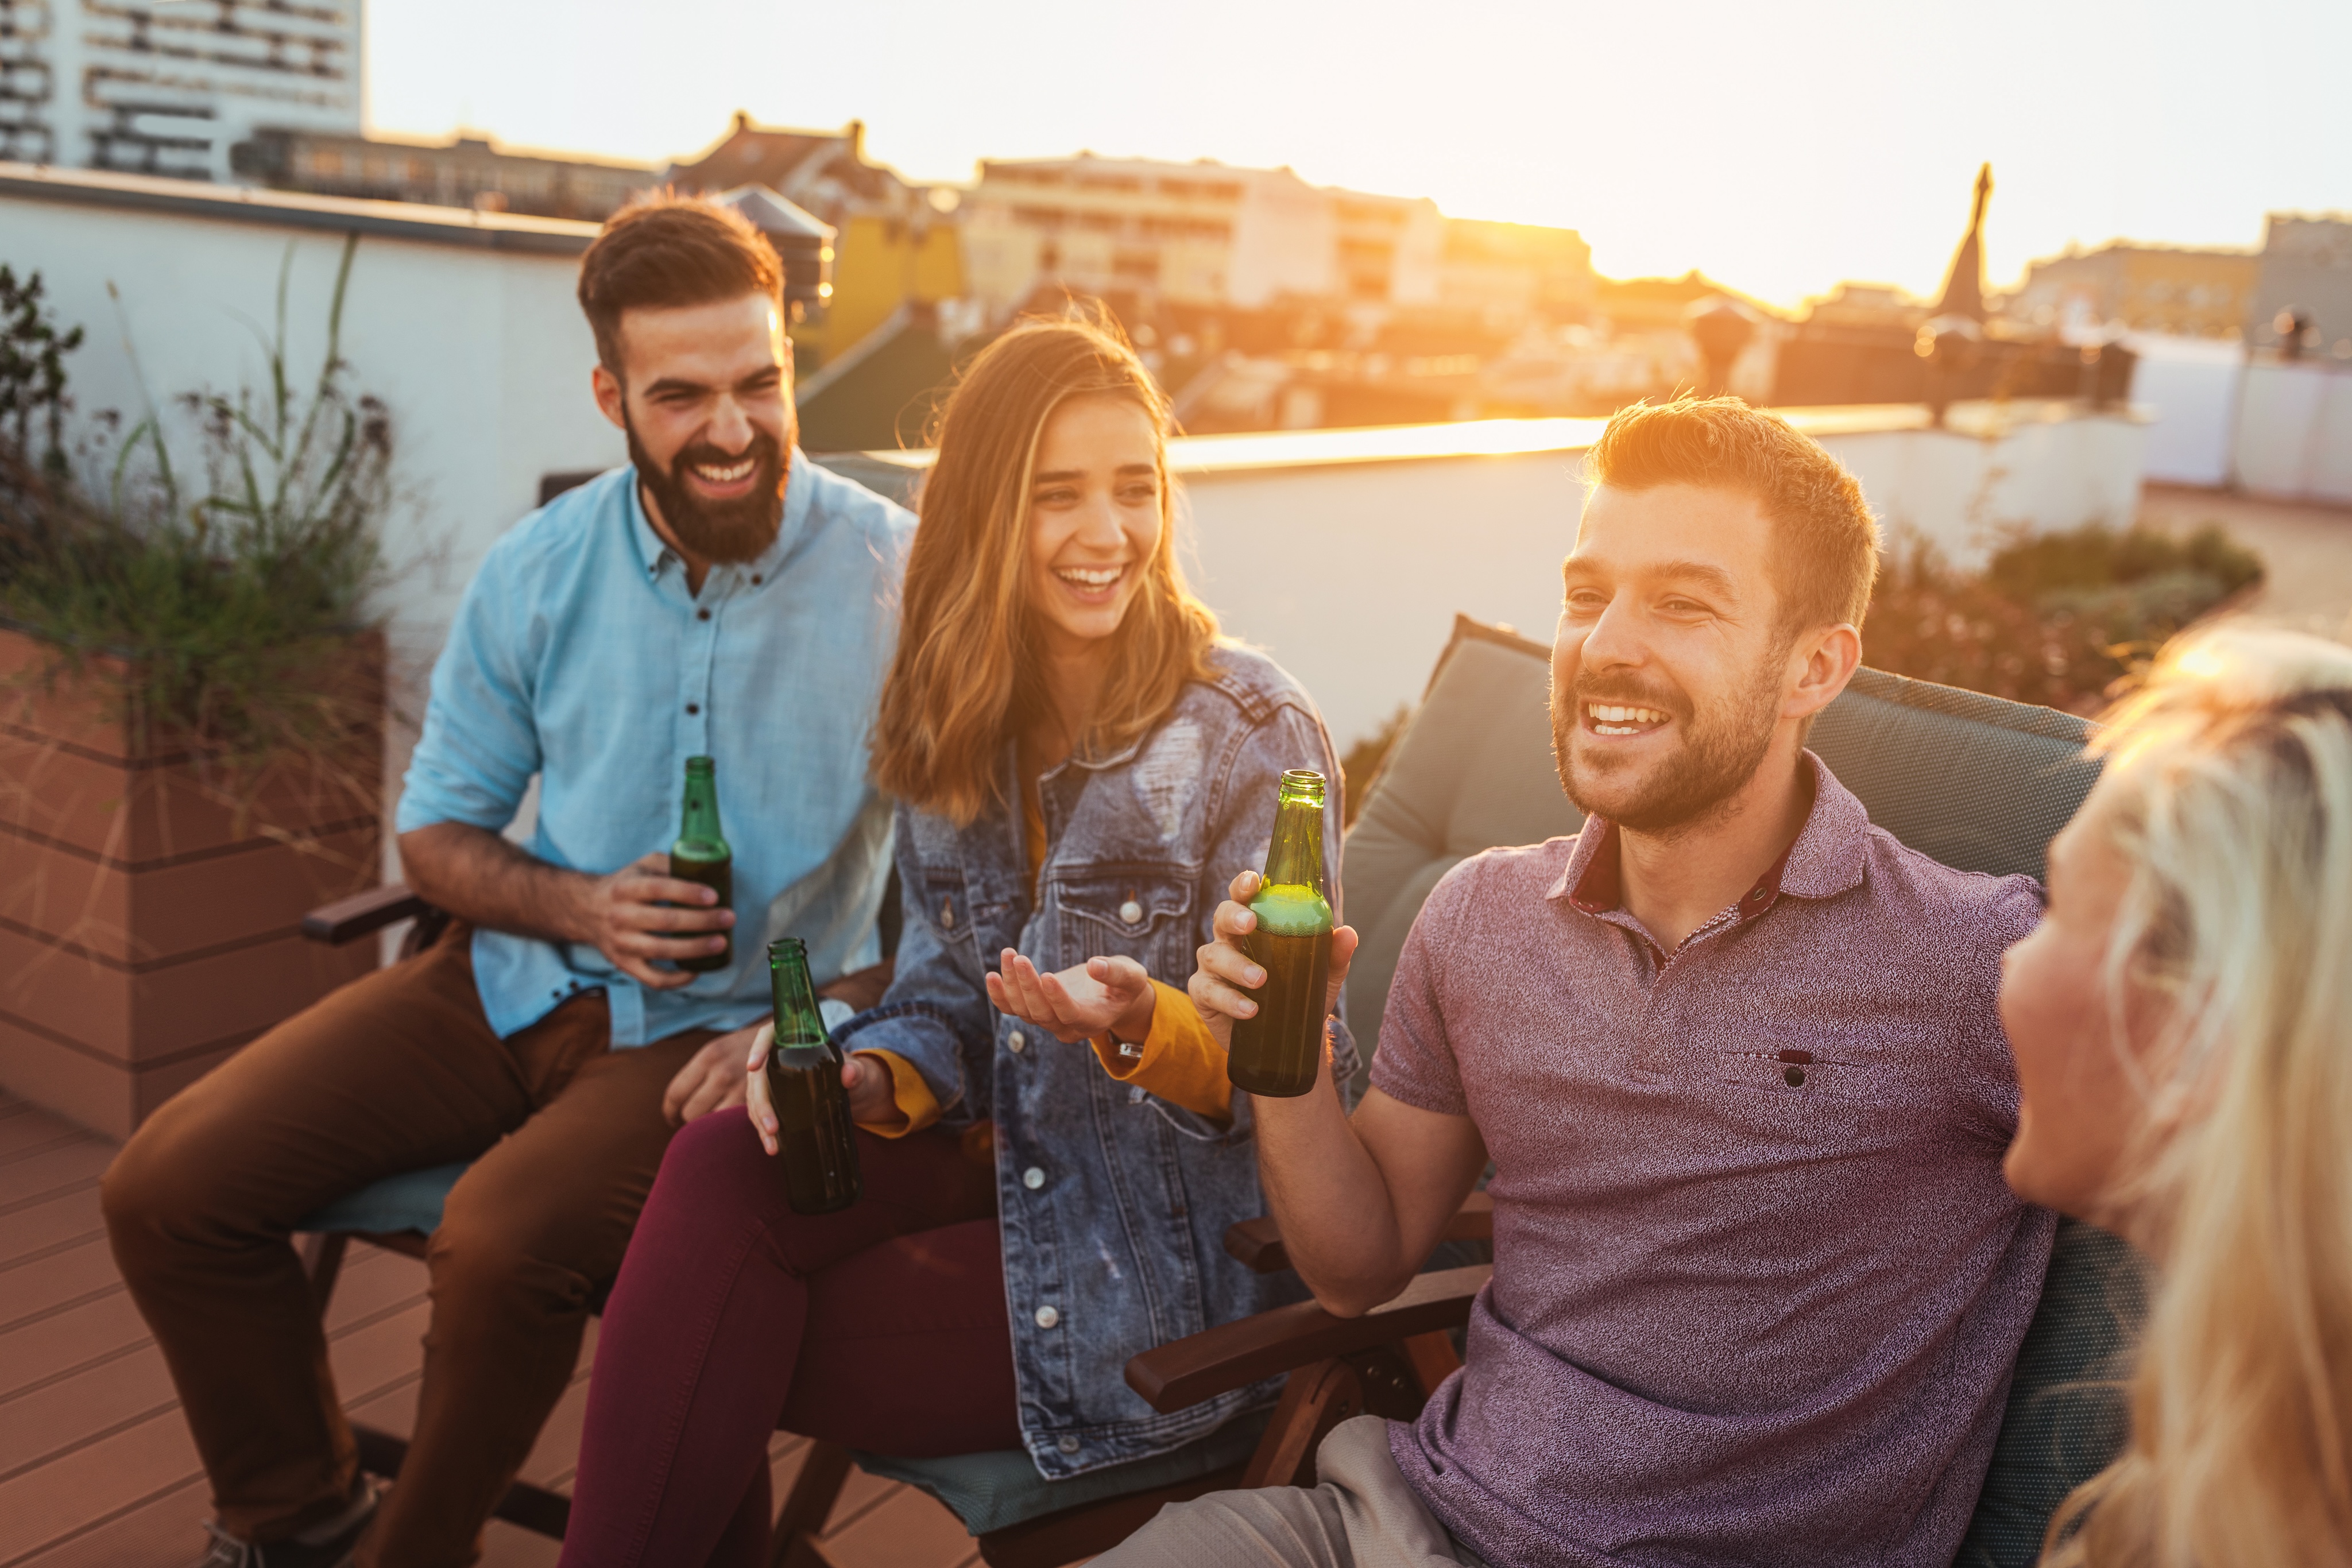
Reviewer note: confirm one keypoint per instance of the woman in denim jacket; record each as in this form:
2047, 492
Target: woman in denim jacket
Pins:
1051, 1152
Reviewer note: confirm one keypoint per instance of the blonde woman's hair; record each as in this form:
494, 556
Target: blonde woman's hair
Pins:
2227, 793
965, 677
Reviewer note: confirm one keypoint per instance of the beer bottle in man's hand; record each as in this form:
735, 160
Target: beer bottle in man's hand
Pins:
1276, 1050
813, 1137
701, 855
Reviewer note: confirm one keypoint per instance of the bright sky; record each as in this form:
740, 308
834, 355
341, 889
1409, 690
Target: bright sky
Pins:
1781, 147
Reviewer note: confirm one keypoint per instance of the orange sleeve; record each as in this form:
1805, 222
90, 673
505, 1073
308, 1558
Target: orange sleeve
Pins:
1181, 1062
914, 1098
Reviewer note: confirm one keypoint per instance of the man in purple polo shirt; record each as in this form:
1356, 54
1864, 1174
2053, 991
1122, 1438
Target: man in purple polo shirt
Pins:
1734, 1054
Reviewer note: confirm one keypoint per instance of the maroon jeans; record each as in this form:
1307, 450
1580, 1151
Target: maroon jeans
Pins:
881, 1327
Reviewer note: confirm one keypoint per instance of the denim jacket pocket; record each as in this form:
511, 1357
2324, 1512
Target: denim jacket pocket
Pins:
1143, 913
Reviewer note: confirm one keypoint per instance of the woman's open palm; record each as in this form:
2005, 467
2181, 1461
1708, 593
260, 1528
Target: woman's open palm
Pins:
1102, 996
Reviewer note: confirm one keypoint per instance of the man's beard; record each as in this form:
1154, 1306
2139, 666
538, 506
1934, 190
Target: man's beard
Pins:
717, 530
1720, 751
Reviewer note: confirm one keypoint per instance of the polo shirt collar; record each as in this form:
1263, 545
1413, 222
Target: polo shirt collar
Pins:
655, 553
1824, 859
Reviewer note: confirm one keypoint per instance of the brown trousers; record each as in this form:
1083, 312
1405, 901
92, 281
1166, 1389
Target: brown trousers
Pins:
393, 1072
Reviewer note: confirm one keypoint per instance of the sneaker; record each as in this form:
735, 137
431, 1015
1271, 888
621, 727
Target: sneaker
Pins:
329, 1545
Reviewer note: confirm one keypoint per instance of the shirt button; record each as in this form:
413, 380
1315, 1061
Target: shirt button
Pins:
755, 579
1016, 1042
694, 707
1796, 1077
702, 615
1130, 912
1067, 1445
1047, 1317
1033, 1178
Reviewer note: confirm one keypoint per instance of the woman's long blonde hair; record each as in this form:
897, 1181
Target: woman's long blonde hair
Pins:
964, 679
2229, 794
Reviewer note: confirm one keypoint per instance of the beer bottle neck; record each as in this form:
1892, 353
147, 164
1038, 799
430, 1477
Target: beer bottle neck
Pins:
1296, 858
799, 1025
699, 822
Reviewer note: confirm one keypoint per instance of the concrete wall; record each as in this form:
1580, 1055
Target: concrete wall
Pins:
1348, 563
2190, 386
2293, 432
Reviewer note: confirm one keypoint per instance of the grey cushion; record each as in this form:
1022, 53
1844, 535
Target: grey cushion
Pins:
991, 1491
409, 1201
1972, 781
2068, 1410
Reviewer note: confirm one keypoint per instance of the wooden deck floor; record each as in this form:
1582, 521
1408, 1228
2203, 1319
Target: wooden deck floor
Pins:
95, 1466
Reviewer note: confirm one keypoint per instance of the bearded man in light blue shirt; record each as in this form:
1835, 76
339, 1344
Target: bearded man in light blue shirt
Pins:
721, 596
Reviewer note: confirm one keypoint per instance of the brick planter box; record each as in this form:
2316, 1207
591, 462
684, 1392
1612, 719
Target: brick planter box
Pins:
150, 896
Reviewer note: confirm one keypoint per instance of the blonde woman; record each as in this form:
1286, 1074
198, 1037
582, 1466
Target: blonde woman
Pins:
1050, 1154
2182, 1022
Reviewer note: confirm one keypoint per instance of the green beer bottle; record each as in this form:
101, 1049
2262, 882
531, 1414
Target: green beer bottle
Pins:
1278, 1050
701, 855
814, 1140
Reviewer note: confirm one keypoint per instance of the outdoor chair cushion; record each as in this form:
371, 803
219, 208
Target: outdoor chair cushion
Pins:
1974, 781
996, 1490
409, 1201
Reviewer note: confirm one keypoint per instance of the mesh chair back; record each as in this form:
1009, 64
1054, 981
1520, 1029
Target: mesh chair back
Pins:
1974, 781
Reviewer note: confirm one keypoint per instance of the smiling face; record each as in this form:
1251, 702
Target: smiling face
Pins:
1095, 518
2077, 1041
1671, 676
704, 394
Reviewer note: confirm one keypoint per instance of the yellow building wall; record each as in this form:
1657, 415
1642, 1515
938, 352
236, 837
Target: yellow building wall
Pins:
877, 266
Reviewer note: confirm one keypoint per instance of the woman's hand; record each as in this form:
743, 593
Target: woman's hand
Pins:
1226, 973
871, 1102
1102, 996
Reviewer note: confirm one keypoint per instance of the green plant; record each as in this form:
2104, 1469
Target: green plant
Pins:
2055, 619
232, 611
33, 366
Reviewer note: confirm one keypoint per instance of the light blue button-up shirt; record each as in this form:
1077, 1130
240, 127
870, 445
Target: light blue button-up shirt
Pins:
579, 656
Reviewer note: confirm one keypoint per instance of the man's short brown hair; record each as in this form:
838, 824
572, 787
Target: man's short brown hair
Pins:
1825, 554
666, 250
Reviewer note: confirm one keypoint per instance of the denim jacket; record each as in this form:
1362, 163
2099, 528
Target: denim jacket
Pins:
1113, 1204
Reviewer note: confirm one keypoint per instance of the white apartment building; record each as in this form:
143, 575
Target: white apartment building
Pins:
167, 87
1192, 234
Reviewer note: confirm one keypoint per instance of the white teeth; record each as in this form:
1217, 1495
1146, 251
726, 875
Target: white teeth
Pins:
1611, 719
726, 475
1090, 577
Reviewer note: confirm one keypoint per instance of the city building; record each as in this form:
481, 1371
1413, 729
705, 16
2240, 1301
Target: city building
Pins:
2306, 270
897, 244
1208, 236
466, 172
156, 86
2170, 289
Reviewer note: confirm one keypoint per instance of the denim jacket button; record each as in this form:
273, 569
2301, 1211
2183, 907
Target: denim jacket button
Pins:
1135, 1095
1033, 1178
1067, 1445
1130, 912
1016, 1042
1047, 1317
947, 913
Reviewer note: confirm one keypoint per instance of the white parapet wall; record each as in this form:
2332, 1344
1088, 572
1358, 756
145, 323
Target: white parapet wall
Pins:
2293, 439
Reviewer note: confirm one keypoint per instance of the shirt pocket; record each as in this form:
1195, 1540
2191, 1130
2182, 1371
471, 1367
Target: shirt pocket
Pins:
1143, 913
1801, 1075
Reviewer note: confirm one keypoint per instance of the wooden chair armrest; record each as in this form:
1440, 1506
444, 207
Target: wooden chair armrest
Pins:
1258, 1242
1200, 1366
349, 919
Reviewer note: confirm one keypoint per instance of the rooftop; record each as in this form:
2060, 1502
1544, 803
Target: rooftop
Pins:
97, 1468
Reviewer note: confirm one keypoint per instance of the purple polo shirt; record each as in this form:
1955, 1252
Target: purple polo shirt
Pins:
1757, 1280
